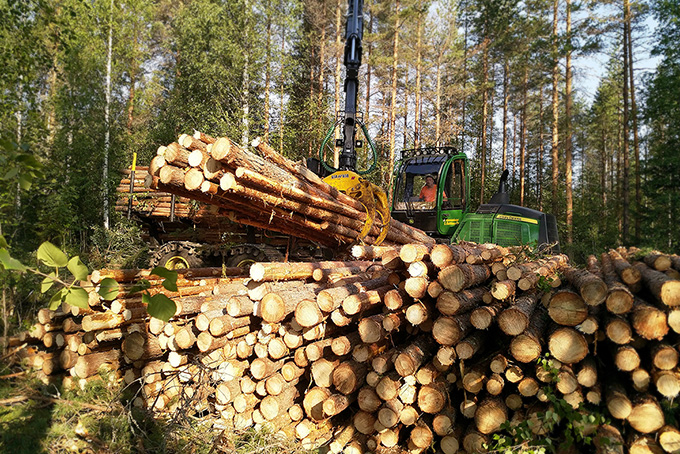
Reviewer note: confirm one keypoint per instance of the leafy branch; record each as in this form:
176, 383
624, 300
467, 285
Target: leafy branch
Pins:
74, 290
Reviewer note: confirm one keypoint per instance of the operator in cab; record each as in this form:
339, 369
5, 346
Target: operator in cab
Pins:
429, 191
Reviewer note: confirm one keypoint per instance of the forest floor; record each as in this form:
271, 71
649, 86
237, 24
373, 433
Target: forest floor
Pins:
36, 418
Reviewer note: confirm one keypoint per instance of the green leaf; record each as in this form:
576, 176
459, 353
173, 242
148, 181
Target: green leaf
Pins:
25, 182
55, 301
77, 268
77, 296
165, 273
146, 298
51, 255
140, 286
108, 289
169, 285
9, 263
3, 243
161, 307
48, 282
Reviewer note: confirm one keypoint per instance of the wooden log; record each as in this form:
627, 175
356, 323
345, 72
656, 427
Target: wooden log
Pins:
349, 376
503, 290
657, 261
664, 289
261, 368
592, 289
421, 435
420, 312
458, 277
626, 358
567, 308
330, 299
443, 255
413, 252
483, 316
618, 329
223, 324
409, 360
619, 299
646, 415
416, 287
470, 345
450, 330
359, 302
628, 274
648, 321
664, 356
608, 440
669, 439
90, 364
452, 303
567, 345
527, 347
273, 406
515, 319
491, 413
138, 346
667, 383
432, 398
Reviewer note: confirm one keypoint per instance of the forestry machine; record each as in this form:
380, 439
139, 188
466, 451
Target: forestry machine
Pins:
445, 213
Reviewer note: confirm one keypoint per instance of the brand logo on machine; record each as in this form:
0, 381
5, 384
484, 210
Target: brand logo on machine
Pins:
450, 221
516, 218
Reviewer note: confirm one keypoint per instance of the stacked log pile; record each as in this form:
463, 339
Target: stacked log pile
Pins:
266, 191
156, 204
410, 347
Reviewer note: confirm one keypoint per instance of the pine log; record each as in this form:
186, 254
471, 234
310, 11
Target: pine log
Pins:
90, 364
567, 345
450, 330
432, 398
349, 376
443, 255
626, 358
527, 347
648, 321
567, 308
664, 356
618, 330
593, 290
490, 414
646, 415
669, 439
667, 383
452, 303
458, 277
354, 304
409, 360
664, 289
503, 290
483, 316
470, 345
515, 319
657, 261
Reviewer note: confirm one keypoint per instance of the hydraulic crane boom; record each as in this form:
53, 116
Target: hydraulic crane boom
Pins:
353, 36
346, 177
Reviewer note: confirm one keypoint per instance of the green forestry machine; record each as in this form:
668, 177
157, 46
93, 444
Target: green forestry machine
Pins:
442, 209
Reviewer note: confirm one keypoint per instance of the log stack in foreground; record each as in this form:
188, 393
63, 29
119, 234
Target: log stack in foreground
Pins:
421, 346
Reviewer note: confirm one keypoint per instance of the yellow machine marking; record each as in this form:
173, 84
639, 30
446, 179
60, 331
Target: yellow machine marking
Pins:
517, 218
451, 221
372, 197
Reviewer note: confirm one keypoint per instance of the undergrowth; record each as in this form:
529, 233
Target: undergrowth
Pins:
99, 419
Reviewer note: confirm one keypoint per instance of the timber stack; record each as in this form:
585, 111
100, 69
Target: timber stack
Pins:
157, 204
267, 191
406, 347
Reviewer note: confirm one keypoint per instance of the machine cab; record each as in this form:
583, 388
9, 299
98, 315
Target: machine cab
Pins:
436, 207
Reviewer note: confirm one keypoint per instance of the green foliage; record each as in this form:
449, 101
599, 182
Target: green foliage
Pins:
564, 426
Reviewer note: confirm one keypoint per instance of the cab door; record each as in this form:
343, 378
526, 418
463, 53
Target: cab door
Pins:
452, 194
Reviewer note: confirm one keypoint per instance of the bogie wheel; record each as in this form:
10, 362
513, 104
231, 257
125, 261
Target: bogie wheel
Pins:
176, 256
245, 255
